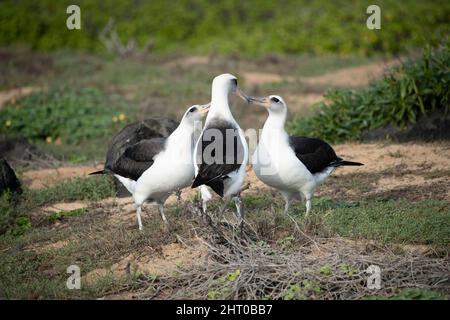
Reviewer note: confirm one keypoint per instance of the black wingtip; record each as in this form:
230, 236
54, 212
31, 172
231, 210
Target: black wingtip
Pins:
350, 163
97, 172
217, 186
196, 183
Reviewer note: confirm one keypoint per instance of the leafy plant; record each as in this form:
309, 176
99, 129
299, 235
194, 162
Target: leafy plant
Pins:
399, 98
221, 288
248, 27
62, 116
57, 216
412, 294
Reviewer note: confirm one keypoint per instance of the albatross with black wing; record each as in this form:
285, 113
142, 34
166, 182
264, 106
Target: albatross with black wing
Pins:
152, 169
293, 165
221, 153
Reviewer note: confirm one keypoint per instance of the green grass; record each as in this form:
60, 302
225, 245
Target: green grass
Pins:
15, 212
251, 27
93, 242
399, 98
72, 116
413, 294
61, 215
424, 222
394, 221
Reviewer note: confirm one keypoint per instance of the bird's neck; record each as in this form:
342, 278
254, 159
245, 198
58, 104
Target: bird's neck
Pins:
184, 133
219, 105
275, 121
274, 127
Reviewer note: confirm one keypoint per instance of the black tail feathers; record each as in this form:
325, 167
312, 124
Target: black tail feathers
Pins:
349, 163
97, 172
215, 184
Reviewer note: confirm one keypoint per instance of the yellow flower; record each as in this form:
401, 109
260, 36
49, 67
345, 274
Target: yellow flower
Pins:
49, 140
8, 123
115, 119
121, 117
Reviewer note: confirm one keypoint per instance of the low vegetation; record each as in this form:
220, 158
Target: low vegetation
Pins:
63, 115
403, 95
16, 211
272, 256
246, 27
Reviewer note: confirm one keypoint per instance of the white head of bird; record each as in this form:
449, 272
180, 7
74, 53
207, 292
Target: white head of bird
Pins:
275, 105
222, 86
195, 114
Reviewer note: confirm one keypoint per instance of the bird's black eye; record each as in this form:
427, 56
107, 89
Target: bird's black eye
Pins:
276, 100
234, 81
192, 109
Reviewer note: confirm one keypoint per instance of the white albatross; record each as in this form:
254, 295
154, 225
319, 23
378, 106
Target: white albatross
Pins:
221, 152
152, 169
293, 165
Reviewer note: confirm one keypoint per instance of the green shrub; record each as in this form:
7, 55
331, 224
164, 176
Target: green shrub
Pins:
231, 26
399, 98
71, 115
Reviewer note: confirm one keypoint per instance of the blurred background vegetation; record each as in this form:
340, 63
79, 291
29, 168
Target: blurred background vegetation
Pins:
251, 27
87, 84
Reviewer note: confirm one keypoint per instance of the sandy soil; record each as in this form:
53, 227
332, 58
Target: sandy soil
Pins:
161, 261
379, 157
13, 94
44, 178
409, 165
351, 77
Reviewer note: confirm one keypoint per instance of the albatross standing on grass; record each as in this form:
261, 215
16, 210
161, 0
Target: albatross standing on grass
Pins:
152, 169
221, 153
293, 165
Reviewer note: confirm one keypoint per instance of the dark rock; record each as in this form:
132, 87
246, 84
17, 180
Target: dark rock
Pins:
8, 178
431, 127
18, 149
146, 129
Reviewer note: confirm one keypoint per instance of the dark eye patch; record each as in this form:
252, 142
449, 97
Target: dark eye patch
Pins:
192, 109
275, 99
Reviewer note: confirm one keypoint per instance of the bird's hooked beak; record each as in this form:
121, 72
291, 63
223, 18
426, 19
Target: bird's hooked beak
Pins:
261, 101
242, 95
204, 108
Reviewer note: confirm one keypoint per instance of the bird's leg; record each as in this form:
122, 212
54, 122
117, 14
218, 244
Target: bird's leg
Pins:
163, 216
287, 202
206, 196
138, 215
308, 204
239, 209
224, 206
204, 206
178, 194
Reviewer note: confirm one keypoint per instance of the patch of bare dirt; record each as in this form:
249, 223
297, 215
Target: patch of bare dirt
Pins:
379, 157
162, 261
346, 77
44, 178
351, 77
47, 246
14, 94
300, 103
65, 206
189, 61
259, 78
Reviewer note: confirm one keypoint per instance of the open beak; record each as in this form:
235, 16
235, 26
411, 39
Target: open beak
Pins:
259, 101
242, 95
204, 108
